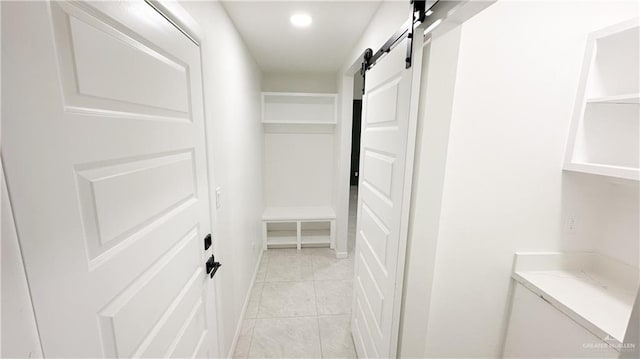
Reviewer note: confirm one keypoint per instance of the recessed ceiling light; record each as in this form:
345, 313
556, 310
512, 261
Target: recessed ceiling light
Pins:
300, 20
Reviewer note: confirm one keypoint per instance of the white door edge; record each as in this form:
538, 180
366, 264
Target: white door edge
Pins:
407, 187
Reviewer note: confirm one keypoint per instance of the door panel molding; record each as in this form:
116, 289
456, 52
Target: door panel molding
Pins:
110, 210
386, 166
78, 28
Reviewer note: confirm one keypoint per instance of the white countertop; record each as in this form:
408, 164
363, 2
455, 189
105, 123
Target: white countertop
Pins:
595, 291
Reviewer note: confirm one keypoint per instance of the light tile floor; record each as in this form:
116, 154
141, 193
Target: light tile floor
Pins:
300, 305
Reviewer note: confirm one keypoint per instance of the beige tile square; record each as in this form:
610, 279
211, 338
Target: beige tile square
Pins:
333, 297
286, 338
287, 299
320, 251
286, 252
335, 336
289, 268
325, 268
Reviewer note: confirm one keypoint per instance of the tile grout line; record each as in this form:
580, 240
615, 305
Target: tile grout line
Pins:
315, 294
306, 316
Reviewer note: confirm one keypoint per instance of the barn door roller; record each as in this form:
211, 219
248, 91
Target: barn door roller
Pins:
420, 9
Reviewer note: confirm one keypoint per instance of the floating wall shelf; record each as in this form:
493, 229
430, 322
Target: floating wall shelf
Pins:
286, 108
632, 98
605, 132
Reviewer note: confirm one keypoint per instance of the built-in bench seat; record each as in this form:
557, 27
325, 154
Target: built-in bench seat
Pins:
298, 226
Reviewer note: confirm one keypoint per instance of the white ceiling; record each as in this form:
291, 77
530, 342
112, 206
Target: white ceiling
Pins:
322, 47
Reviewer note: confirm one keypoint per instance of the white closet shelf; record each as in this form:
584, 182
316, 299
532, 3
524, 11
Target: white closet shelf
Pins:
604, 170
298, 123
298, 213
630, 98
282, 242
603, 139
299, 108
595, 291
313, 242
299, 97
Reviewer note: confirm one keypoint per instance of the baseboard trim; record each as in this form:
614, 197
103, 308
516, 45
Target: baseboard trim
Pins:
342, 255
236, 336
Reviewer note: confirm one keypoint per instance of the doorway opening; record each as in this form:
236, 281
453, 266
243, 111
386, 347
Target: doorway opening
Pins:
358, 90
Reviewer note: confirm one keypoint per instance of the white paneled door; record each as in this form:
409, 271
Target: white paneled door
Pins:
104, 151
386, 163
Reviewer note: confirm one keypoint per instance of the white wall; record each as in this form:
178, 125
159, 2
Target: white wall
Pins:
504, 189
20, 337
299, 82
619, 214
298, 168
232, 105
299, 163
384, 23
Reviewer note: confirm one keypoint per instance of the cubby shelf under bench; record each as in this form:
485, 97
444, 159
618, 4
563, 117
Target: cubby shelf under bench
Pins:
285, 227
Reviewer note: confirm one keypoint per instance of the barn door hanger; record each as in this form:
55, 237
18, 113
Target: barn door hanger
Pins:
420, 9
366, 64
418, 13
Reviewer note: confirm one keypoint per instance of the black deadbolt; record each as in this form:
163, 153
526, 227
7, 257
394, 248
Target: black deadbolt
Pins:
207, 241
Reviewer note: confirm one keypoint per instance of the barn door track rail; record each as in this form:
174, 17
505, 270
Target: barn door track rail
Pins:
424, 13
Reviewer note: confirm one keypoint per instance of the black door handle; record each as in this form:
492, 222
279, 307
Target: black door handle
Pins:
216, 265
212, 266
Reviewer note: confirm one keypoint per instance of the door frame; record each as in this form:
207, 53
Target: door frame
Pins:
446, 20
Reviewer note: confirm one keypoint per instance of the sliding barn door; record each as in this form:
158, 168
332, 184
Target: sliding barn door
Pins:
386, 163
104, 151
